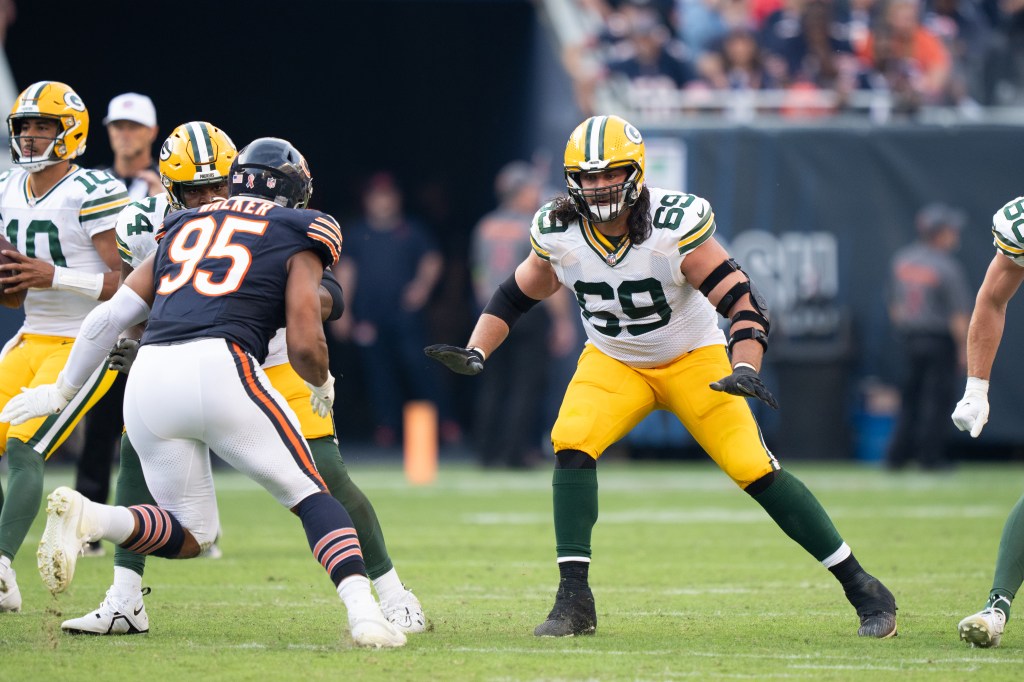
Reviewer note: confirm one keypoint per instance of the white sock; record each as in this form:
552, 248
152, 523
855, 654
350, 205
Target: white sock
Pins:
127, 583
115, 523
388, 586
5, 561
355, 592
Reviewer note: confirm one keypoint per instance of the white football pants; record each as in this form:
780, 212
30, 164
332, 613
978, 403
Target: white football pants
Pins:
183, 400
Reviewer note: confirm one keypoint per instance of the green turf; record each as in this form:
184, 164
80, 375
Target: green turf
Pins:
691, 581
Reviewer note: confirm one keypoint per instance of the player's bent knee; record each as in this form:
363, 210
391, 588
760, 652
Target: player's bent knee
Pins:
761, 484
574, 459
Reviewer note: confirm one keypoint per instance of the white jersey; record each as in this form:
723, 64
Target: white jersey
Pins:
636, 305
278, 351
58, 228
136, 226
1008, 230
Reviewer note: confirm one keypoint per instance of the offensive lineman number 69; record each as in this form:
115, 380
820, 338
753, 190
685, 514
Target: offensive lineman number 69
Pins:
214, 242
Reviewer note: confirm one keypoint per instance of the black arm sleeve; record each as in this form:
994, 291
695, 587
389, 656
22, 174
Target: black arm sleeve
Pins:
333, 286
509, 301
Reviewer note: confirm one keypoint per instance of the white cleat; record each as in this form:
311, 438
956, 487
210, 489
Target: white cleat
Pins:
983, 629
405, 613
68, 528
10, 595
212, 552
370, 628
115, 616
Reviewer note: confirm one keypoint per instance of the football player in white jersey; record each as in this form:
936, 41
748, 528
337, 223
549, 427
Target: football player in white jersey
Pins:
649, 276
1003, 278
60, 218
194, 164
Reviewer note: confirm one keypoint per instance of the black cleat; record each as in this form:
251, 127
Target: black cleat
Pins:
574, 614
875, 605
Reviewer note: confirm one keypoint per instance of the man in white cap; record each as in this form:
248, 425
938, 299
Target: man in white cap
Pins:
131, 125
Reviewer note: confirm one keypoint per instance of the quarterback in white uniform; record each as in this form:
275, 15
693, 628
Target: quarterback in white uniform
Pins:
1002, 280
649, 276
60, 219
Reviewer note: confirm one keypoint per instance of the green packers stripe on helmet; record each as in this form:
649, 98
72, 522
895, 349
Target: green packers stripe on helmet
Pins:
202, 146
595, 138
35, 91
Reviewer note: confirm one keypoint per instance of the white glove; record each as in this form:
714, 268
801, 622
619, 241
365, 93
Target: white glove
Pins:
322, 397
971, 413
38, 402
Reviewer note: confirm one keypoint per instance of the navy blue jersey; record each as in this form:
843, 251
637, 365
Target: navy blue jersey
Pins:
221, 270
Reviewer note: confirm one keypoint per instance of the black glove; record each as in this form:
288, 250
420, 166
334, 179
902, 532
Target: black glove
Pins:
745, 381
123, 355
467, 361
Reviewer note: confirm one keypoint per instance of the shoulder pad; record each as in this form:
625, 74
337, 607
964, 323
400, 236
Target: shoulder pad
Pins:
687, 219
325, 233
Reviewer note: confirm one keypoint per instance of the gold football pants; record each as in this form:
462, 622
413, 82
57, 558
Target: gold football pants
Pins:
607, 398
290, 385
37, 360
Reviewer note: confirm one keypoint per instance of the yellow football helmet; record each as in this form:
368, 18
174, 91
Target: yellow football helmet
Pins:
195, 153
52, 100
598, 144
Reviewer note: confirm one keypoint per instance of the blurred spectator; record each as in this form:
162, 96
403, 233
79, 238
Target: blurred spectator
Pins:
814, 49
388, 270
964, 30
653, 65
930, 307
131, 127
509, 424
913, 64
649, 56
703, 23
737, 64
8, 13
861, 16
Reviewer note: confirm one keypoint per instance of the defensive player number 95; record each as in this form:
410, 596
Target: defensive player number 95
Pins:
203, 238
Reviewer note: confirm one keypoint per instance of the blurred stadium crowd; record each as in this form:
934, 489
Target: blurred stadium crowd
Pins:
799, 58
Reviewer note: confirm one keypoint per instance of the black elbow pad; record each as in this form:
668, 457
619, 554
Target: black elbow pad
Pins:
333, 287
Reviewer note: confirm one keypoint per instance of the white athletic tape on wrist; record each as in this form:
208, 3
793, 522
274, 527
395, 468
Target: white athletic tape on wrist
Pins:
86, 283
976, 384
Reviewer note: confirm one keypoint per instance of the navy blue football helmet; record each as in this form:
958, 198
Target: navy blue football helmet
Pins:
271, 168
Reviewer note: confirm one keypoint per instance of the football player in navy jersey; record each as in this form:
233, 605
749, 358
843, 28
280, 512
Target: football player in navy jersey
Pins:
224, 278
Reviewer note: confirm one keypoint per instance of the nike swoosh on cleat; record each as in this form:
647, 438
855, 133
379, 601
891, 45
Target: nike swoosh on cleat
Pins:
139, 610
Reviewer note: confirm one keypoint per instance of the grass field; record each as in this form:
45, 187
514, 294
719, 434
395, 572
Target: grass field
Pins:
691, 580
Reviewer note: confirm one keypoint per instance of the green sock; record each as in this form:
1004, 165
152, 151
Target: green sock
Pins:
575, 504
130, 489
332, 469
25, 493
799, 514
1010, 560
999, 600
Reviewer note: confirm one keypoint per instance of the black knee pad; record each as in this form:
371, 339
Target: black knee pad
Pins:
574, 459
